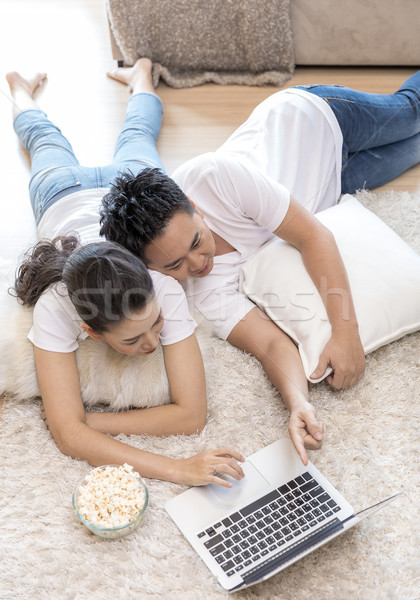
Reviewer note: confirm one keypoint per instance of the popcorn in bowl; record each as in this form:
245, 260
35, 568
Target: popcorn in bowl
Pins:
111, 500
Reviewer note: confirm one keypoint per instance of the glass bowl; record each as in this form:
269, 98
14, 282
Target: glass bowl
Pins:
110, 531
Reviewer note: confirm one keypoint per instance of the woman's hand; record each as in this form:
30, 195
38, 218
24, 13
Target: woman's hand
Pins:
208, 466
304, 429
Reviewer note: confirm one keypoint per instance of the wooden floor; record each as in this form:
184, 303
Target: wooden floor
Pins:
69, 40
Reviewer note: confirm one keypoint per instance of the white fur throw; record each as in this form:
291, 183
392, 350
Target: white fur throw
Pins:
106, 376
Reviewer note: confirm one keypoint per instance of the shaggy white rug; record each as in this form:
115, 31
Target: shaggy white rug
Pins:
371, 450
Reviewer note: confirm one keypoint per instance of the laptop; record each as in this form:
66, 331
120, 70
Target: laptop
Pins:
278, 513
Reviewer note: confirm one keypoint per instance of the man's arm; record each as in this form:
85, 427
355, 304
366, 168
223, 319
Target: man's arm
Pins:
259, 336
320, 254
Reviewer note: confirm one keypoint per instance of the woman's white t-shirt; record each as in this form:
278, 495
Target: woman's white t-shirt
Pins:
290, 145
56, 324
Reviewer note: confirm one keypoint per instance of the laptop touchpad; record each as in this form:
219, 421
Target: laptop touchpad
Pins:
252, 484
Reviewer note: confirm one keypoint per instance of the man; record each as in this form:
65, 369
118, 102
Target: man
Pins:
296, 153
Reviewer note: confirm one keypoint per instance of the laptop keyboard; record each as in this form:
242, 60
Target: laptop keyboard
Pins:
262, 527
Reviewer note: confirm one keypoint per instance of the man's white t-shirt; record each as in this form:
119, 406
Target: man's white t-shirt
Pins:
290, 145
56, 324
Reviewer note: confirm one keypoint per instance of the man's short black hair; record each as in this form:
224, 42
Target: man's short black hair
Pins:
139, 207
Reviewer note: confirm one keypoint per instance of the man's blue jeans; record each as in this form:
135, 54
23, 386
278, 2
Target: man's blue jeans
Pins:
381, 132
55, 171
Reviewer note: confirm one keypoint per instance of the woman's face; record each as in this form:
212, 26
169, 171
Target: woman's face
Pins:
137, 334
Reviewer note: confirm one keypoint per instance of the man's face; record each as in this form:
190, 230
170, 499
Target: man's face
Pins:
185, 249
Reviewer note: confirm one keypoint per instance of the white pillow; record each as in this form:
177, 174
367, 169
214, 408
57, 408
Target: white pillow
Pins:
384, 274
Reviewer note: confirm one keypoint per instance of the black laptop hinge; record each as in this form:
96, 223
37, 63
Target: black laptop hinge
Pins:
287, 555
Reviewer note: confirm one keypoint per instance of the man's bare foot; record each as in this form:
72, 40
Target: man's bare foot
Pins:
138, 77
17, 83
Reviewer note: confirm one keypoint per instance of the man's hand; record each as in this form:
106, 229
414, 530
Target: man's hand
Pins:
304, 429
344, 354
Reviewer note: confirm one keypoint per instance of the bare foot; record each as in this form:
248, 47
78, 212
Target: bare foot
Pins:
24, 90
138, 77
17, 83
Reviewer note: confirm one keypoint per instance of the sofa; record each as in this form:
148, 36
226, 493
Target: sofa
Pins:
360, 32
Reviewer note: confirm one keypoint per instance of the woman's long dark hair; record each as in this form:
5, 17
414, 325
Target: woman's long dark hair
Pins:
105, 282
42, 266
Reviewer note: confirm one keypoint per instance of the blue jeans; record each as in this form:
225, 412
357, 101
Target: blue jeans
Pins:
56, 172
381, 132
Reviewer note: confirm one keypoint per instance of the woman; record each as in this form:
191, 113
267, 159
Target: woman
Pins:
62, 281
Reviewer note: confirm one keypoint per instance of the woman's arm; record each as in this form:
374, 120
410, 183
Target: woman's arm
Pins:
259, 336
187, 412
59, 384
320, 254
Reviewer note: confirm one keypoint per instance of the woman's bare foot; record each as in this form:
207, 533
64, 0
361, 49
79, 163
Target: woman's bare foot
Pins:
24, 90
138, 77
29, 86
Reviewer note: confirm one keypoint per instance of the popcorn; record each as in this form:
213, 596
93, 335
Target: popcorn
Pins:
111, 496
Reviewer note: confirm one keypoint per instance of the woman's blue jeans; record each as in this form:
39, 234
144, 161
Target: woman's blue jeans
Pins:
56, 172
381, 132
